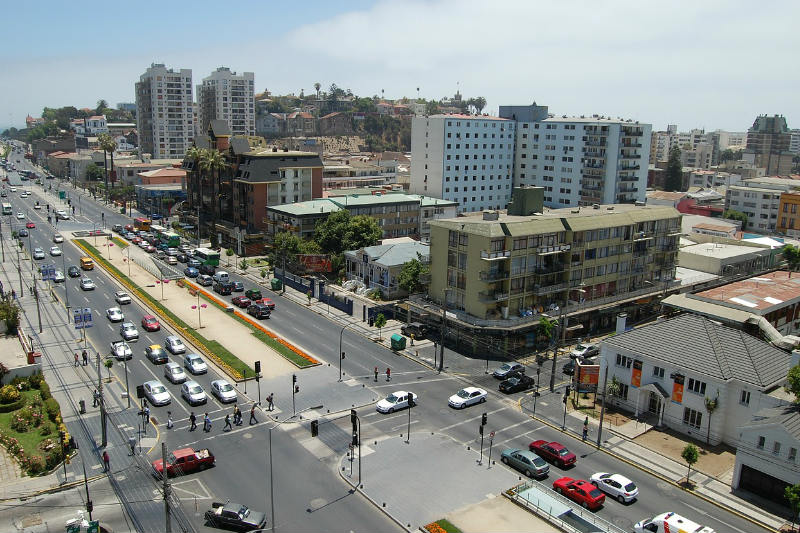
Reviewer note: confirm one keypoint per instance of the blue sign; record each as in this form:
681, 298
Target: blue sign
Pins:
77, 317
48, 272
87, 317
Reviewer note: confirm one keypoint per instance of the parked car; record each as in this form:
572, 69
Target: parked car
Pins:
238, 286
195, 364
554, 452
235, 516
526, 462
175, 345
258, 310
418, 329
114, 314
185, 461
87, 284
122, 297
517, 383
156, 392
584, 350
223, 390
121, 351
193, 393
150, 323
156, 354
129, 331
507, 368
615, 485
223, 287
395, 401
466, 397
174, 373
580, 491
569, 366
241, 301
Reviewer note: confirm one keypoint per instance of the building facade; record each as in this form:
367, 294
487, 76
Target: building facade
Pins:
164, 111
463, 158
768, 141
379, 266
789, 214
760, 200
225, 95
580, 161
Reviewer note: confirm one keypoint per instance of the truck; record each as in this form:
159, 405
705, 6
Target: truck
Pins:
670, 523
235, 516
185, 461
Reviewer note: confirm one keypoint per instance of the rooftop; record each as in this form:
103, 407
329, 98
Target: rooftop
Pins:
787, 416
322, 205
714, 227
394, 254
759, 295
166, 172
469, 117
721, 250
666, 195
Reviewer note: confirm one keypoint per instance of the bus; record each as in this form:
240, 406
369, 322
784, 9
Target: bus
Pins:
173, 240
157, 230
207, 256
141, 223
6, 208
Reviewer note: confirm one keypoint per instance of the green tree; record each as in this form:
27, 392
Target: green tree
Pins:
614, 388
317, 87
793, 382
229, 252
193, 154
408, 279
792, 495
711, 406
380, 322
730, 214
479, 103
431, 108
243, 265
93, 172
102, 105
791, 254
9, 312
674, 174
108, 364
340, 232
730, 155
690, 455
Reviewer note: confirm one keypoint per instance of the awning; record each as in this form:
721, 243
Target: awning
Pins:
657, 388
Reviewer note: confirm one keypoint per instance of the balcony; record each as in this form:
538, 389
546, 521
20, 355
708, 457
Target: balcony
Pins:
629, 156
596, 132
594, 154
549, 289
632, 133
493, 275
629, 190
629, 167
631, 145
492, 296
495, 256
555, 268
628, 178
587, 164
593, 143
591, 188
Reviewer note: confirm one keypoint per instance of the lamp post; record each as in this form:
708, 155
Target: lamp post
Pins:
536, 392
271, 483
341, 353
198, 306
444, 326
66, 290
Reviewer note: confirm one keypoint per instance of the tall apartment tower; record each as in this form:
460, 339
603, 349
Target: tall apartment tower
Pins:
467, 159
580, 160
768, 142
164, 112
224, 95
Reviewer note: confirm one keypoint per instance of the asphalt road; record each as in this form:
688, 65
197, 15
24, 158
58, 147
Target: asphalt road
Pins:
309, 493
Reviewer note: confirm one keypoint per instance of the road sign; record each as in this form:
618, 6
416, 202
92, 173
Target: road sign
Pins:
491, 435
48, 272
87, 317
77, 318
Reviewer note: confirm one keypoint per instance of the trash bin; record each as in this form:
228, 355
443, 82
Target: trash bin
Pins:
276, 284
398, 342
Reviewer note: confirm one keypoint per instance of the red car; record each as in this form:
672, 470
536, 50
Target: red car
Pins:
241, 301
30, 225
150, 323
268, 302
136, 240
554, 452
128, 227
580, 491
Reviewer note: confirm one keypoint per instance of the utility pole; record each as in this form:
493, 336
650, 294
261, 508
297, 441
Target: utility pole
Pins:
444, 326
19, 273
166, 486
602, 408
38, 307
102, 404
563, 326
2, 244
89, 505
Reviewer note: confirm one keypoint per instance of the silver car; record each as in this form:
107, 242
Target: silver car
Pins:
174, 372
195, 364
122, 297
193, 393
128, 331
526, 462
121, 351
38, 253
156, 392
175, 345
223, 390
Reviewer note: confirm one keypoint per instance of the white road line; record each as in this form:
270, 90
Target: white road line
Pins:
515, 437
395, 428
470, 419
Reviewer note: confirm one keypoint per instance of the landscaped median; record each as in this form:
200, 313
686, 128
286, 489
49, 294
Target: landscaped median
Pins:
442, 526
232, 365
293, 354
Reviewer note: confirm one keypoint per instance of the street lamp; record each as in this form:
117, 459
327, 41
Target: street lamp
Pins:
161, 282
444, 326
271, 483
198, 306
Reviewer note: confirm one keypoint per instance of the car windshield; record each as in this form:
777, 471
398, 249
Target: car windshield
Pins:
539, 462
595, 493
196, 361
505, 366
562, 452
175, 370
156, 351
391, 398
630, 487
463, 393
513, 381
158, 389
226, 387
195, 390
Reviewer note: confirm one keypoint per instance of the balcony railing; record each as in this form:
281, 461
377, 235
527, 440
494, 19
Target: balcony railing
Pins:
629, 156
493, 275
549, 289
629, 167
492, 296
631, 133
594, 143
593, 165
494, 256
631, 145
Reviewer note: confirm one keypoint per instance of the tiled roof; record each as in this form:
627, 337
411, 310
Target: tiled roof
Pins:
164, 173
395, 254
759, 295
787, 416
697, 344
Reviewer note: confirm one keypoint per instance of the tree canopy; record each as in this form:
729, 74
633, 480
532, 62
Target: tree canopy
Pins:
730, 214
341, 231
793, 382
792, 255
93, 172
408, 280
674, 176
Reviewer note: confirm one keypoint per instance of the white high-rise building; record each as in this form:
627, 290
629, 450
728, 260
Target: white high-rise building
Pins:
580, 160
224, 95
468, 159
164, 112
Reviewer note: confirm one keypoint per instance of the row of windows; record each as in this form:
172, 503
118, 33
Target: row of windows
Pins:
475, 146
776, 448
475, 178
509, 124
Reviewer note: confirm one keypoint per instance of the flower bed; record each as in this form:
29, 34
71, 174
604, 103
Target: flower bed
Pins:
442, 526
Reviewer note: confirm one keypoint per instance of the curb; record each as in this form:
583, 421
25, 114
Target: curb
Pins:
644, 469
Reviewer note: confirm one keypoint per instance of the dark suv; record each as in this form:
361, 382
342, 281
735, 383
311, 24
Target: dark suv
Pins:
418, 329
258, 310
223, 287
207, 269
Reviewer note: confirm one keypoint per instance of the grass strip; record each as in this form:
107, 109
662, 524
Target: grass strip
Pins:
119, 242
442, 525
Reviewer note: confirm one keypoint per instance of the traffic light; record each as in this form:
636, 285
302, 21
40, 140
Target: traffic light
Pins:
342, 355
258, 367
314, 428
354, 419
296, 389
355, 439
89, 506
294, 378
566, 394
480, 429
411, 399
484, 418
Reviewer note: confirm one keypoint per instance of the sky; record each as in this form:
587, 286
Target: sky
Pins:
714, 64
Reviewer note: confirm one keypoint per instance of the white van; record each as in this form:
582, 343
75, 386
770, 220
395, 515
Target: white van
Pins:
221, 276
670, 523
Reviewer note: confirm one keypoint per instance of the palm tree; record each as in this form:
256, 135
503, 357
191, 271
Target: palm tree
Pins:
194, 154
107, 144
317, 87
479, 103
213, 161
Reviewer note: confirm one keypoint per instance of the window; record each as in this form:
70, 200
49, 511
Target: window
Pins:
623, 391
761, 441
744, 398
692, 418
697, 387
792, 454
776, 448
658, 372
624, 361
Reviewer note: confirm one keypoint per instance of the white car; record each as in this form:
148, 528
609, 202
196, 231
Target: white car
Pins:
466, 397
114, 314
61, 214
58, 277
223, 390
122, 297
615, 485
584, 351
128, 331
174, 372
121, 350
171, 260
55, 251
20, 216
37, 206
57, 238
175, 345
156, 392
87, 284
13, 189
395, 401
193, 393
195, 364
38, 253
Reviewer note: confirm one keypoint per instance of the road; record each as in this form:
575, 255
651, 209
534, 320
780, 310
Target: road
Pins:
309, 493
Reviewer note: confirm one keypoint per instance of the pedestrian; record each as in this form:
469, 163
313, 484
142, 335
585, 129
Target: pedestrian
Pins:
169, 420
376, 374
270, 401
206, 423
132, 444
253, 415
76, 359
388, 374
95, 398
227, 423
85, 355
147, 414
585, 428
237, 415
106, 461
193, 420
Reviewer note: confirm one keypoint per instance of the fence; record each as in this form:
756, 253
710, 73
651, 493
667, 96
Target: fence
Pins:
298, 283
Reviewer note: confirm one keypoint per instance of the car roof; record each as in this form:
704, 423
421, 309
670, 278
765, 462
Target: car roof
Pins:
152, 382
193, 356
191, 383
155, 346
473, 389
220, 382
172, 364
